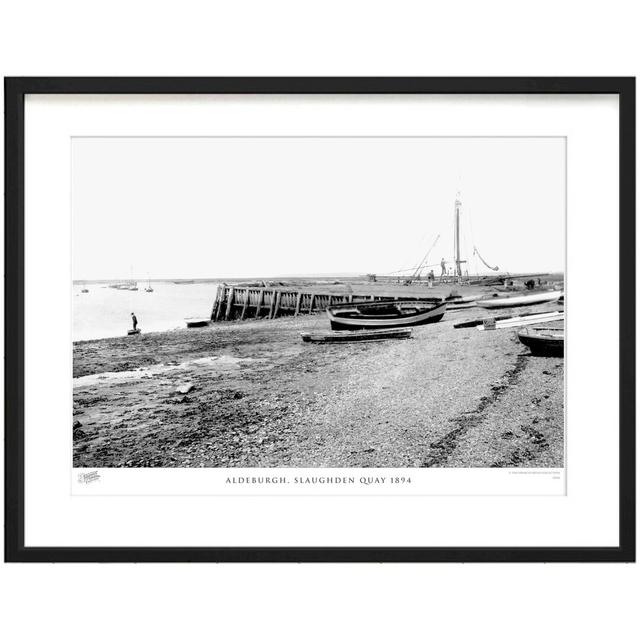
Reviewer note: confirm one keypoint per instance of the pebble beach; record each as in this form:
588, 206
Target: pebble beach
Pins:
252, 394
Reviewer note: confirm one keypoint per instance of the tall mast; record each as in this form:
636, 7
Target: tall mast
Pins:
458, 268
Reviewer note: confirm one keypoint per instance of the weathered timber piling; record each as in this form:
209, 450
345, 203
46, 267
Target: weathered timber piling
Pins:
242, 303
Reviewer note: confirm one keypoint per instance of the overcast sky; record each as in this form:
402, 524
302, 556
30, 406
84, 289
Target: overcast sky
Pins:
242, 207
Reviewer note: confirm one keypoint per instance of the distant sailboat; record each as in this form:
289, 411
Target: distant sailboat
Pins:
125, 285
148, 288
133, 285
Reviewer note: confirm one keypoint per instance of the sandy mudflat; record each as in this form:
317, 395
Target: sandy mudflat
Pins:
263, 398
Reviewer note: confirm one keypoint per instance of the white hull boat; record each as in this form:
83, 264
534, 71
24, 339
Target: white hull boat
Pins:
519, 300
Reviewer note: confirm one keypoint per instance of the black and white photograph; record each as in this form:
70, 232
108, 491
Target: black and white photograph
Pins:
318, 302
287, 344
320, 320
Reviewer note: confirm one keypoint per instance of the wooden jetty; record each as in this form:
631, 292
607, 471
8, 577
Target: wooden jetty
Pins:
244, 303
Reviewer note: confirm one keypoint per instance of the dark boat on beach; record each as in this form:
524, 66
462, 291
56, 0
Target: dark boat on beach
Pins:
386, 315
356, 336
193, 323
543, 342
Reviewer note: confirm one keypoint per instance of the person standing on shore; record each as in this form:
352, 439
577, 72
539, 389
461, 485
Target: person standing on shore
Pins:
134, 320
443, 266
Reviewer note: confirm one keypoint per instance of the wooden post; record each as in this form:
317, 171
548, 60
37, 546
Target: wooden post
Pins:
298, 301
259, 305
329, 301
272, 305
350, 298
277, 307
227, 314
245, 306
313, 297
223, 290
216, 302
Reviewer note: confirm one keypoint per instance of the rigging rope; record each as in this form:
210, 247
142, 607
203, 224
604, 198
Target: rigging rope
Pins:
476, 252
422, 265
475, 249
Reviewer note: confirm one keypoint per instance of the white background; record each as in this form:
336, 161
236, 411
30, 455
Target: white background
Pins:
331, 38
586, 516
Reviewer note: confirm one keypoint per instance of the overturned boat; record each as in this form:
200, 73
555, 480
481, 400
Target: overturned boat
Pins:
194, 323
519, 300
386, 315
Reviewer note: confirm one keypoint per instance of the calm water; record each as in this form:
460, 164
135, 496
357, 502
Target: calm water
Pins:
105, 312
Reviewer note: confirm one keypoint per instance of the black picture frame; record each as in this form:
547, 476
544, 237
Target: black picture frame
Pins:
15, 91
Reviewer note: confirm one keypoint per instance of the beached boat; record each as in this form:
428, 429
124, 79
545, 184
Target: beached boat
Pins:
193, 323
543, 342
85, 291
385, 315
455, 299
355, 336
456, 302
133, 332
519, 300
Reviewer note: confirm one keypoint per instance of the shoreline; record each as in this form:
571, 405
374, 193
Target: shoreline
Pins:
260, 397
337, 288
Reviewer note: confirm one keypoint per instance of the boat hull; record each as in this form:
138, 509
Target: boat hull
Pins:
458, 300
342, 321
519, 301
545, 345
356, 336
194, 324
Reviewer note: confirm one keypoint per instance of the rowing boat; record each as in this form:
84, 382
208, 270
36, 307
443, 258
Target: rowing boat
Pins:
193, 323
385, 315
133, 332
520, 300
355, 336
543, 342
